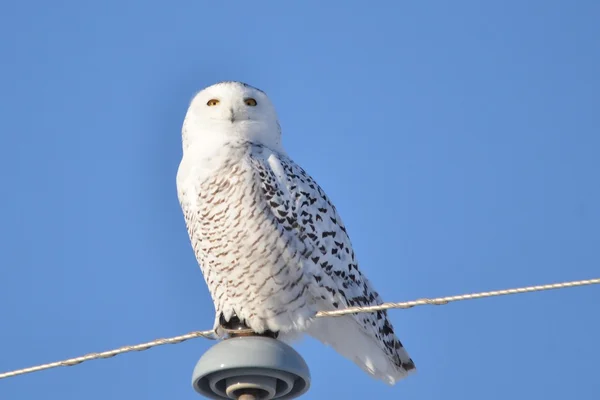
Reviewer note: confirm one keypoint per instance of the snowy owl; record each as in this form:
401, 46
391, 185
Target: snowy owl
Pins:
270, 243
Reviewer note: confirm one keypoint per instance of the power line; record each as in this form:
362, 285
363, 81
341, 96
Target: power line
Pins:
110, 353
449, 299
211, 334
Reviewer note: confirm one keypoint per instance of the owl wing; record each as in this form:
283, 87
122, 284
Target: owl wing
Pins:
301, 207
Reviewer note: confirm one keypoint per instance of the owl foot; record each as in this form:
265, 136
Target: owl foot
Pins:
235, 328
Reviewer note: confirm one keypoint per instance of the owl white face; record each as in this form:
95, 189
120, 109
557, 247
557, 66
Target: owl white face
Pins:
232, 102
231, 110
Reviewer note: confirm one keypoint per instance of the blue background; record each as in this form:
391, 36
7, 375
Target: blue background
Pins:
459, 140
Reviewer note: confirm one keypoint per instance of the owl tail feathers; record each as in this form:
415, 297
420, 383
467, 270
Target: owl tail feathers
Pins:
348, 339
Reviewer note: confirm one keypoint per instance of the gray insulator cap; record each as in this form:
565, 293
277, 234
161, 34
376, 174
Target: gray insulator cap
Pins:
261, 366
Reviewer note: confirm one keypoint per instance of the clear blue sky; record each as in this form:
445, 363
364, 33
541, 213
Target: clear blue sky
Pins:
460, 141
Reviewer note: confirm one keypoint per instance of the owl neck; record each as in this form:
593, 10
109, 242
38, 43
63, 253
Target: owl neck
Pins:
208, 140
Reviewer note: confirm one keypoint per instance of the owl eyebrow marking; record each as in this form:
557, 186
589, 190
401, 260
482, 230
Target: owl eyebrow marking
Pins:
241, 83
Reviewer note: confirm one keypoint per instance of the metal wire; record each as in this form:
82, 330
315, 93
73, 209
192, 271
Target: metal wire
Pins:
110, 353
210, 334
445, 300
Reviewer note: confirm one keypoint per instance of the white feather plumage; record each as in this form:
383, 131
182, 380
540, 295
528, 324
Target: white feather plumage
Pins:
271, 245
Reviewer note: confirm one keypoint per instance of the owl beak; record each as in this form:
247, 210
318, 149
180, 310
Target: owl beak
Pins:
231, 115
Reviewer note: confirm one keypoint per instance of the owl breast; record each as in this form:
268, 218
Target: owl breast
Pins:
252, 265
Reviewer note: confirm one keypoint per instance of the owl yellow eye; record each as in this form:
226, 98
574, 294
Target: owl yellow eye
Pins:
250, 102
212, 102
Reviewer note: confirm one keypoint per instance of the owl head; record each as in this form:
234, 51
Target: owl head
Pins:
231, 111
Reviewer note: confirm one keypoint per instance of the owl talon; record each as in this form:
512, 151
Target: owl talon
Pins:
235, 327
